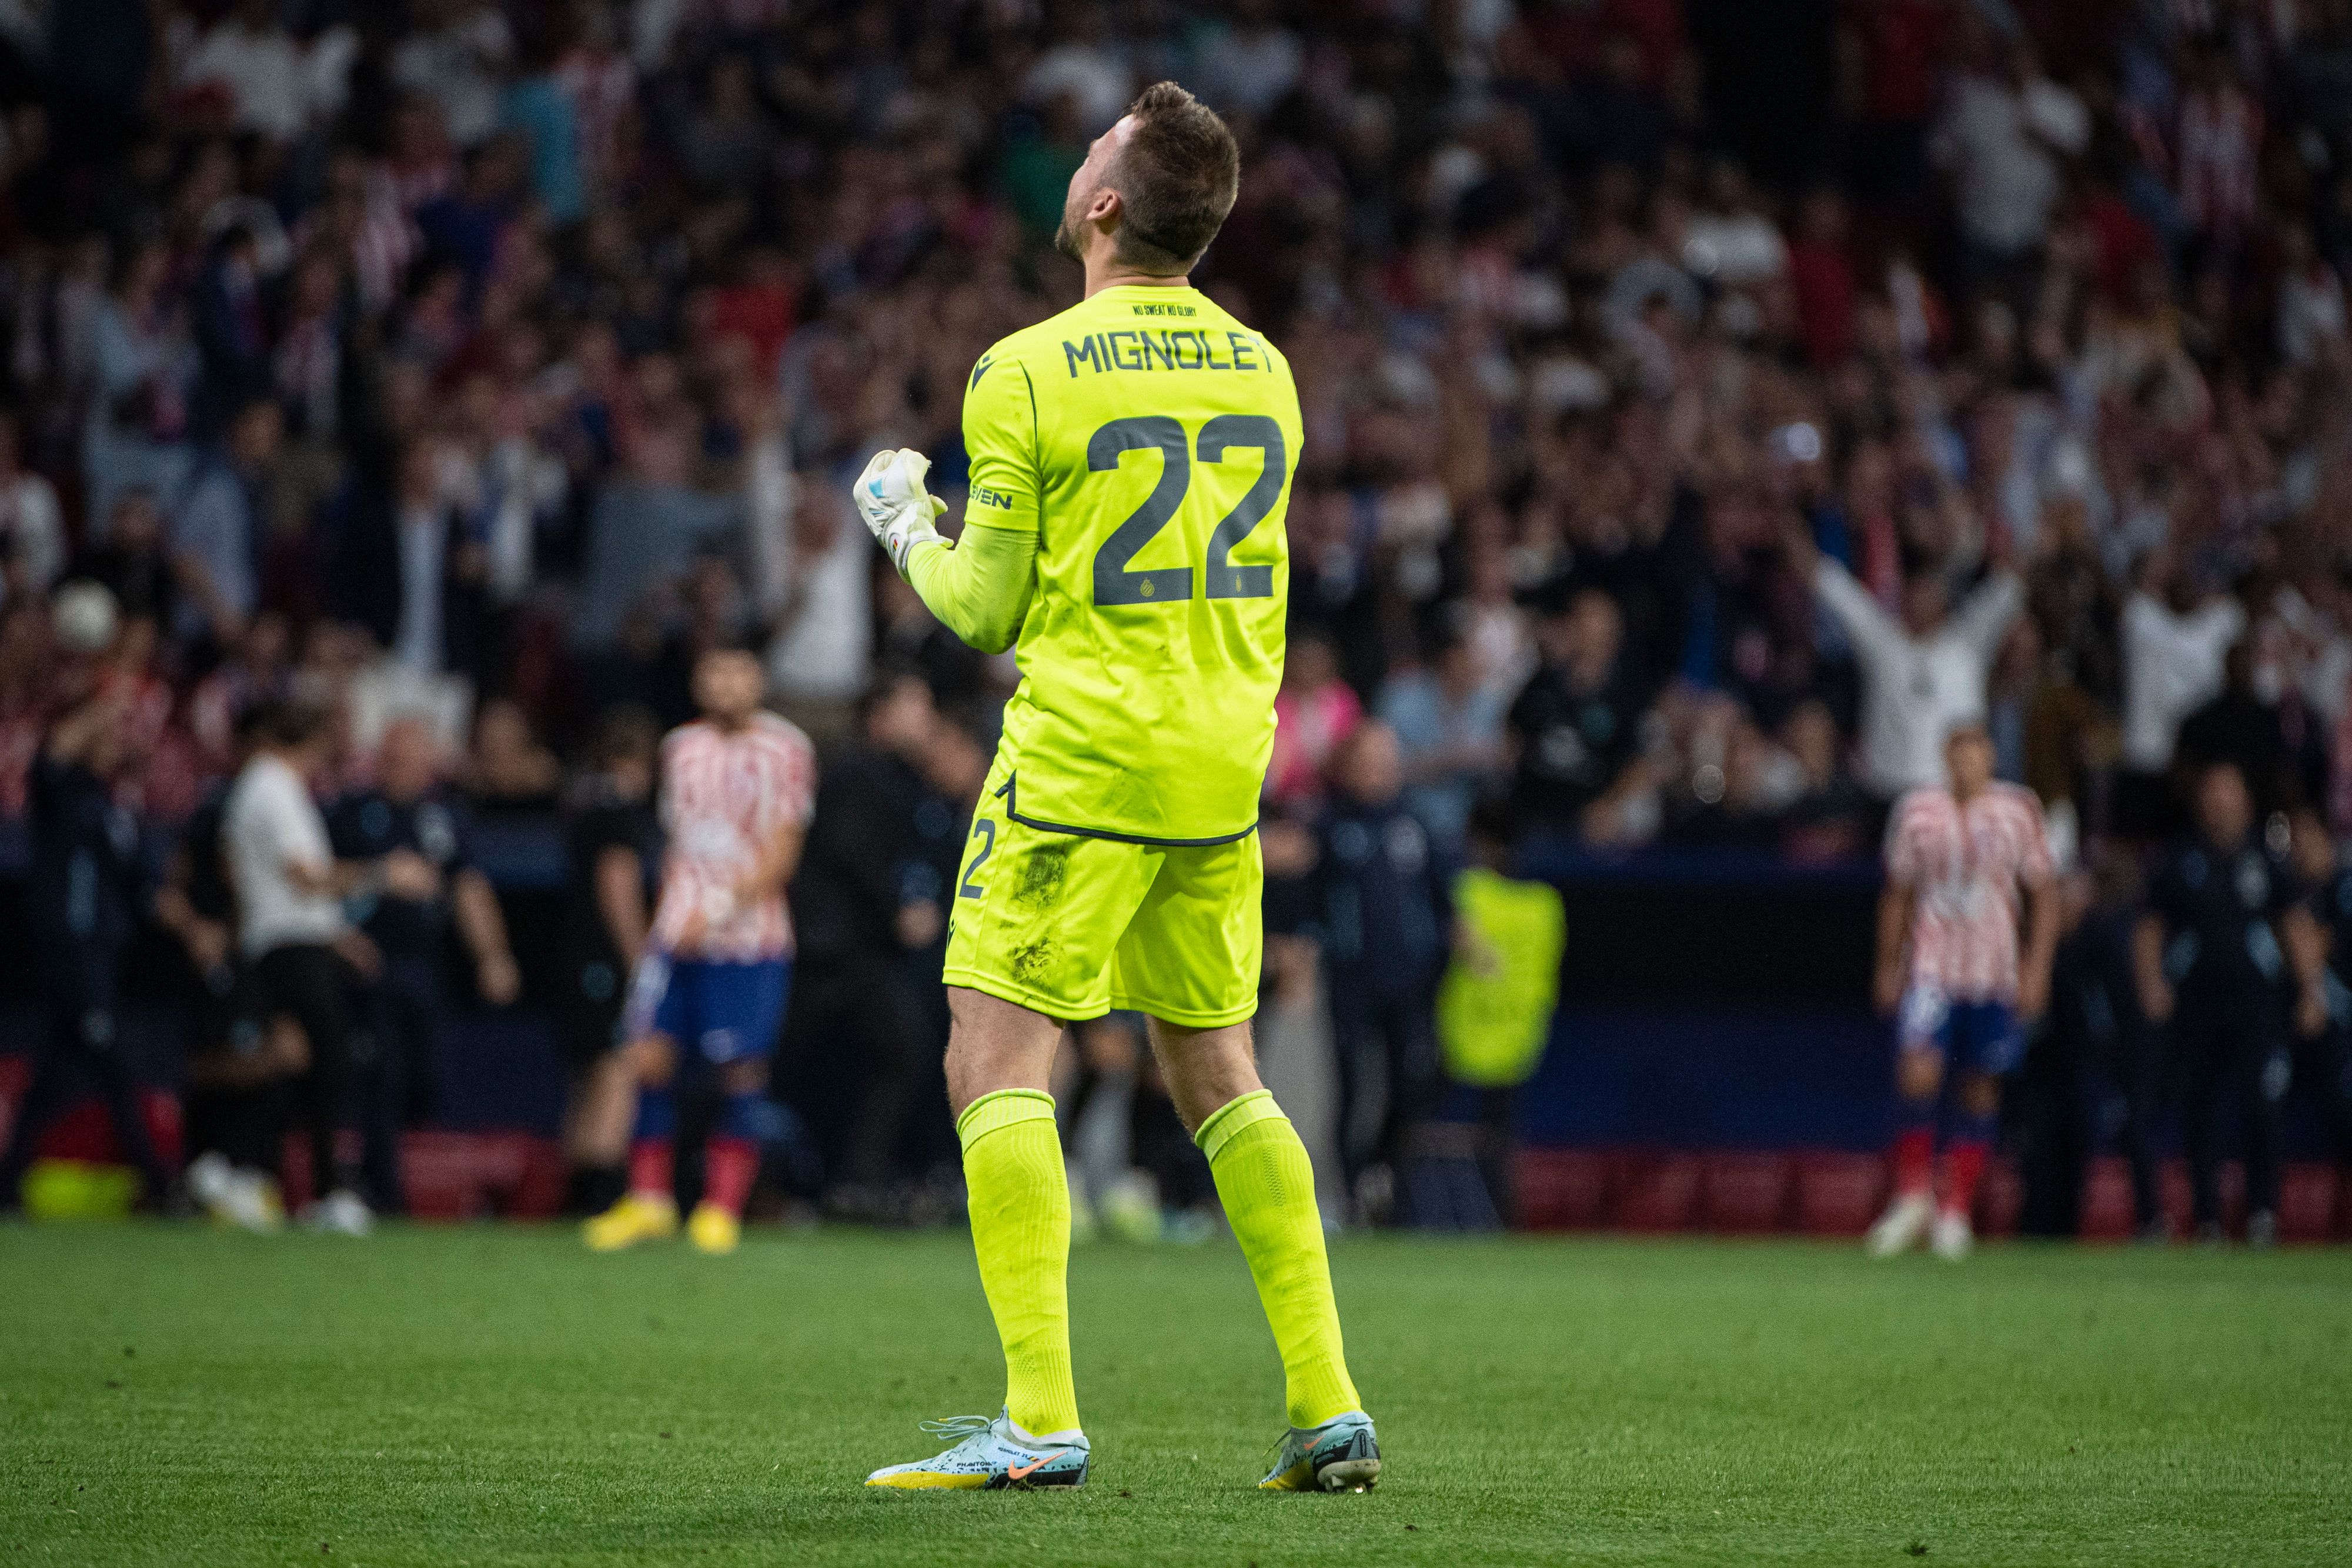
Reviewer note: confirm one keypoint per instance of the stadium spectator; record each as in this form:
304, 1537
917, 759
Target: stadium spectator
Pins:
83, 903
509, 770
407, 809
307, 961
2175, 648
241, 1065
2228, 945
1568, 311
1314, 714
220, 532
1449, 723
142, 371
818, 661
134, 563
2006, 135
1923, 673
1385, 917
2323, 1057
32, 527
861, 897
1829, 816
2097, 1061
1576, 728
2240, 727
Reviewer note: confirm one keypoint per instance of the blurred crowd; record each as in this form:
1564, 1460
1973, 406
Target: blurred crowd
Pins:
492, 359
1706, 401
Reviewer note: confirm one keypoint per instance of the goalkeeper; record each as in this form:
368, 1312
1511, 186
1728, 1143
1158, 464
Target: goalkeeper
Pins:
1131, 463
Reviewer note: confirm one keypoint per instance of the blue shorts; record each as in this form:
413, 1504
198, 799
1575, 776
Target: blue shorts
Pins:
724, 1012
1971, 1036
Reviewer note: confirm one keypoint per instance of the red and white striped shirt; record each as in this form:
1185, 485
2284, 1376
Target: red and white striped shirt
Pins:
724, 799
1965, 866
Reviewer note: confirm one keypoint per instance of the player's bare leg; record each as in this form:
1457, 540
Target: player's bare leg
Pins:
1000, 1060
1918, 1081
1267, 1186
648, 1211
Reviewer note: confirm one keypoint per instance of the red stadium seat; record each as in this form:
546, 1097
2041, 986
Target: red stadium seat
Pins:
2000, 1196
1562, 1189
84, 1133
1838, 1193
2307, 1202
460, 1175
1746, 1193
2106, 1201
1657, 1191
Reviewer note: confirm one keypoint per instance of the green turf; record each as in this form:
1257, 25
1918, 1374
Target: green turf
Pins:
180, 1396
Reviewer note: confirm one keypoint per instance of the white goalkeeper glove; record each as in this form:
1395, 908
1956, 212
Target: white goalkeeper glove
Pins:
896, 508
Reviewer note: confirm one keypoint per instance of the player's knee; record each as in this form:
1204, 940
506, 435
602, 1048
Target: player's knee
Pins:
653, 1059
994, 1045
746, 1076
1981, 1094
1206, 1069
1918, 1074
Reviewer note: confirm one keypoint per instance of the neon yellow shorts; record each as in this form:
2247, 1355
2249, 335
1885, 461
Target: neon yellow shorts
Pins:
1073, 927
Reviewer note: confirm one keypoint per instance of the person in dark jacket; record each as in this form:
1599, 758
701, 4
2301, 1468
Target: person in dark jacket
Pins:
2323, 1055
232, 328
410, 567
409, 809
2238, 726
1384, 917
612, 842
857, 901
1575, 726
2227, 940
82, 898
2097, 1063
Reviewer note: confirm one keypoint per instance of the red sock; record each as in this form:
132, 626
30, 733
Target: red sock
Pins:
1915, 1160
1964, 1165
649, 1166
729, 1166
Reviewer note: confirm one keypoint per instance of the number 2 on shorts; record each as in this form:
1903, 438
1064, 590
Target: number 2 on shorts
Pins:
984, 829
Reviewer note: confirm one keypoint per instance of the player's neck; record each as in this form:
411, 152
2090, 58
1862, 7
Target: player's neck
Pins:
1105, 270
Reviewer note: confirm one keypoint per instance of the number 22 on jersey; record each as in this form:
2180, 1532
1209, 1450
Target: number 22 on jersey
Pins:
1114, 581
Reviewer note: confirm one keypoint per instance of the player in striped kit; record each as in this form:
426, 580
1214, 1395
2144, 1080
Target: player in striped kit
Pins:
1967, 866
738, 786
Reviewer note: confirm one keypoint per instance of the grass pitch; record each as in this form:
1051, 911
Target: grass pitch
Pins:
495, 1395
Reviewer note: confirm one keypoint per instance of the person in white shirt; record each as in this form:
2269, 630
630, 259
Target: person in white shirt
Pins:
820, 651
2176, 649
32, 530
1922, 674
305, 958
2005, 137
249, 54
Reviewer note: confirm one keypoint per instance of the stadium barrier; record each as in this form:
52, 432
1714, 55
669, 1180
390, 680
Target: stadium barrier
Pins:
1834, 1193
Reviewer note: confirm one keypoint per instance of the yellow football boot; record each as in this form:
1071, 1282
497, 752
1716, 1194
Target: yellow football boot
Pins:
713, 1230
638, 1216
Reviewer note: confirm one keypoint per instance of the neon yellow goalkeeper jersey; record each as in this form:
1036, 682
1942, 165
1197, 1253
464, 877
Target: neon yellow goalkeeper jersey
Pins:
1149, 439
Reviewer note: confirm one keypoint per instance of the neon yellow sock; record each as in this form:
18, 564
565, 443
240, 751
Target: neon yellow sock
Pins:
1267, 1186
1020, 1200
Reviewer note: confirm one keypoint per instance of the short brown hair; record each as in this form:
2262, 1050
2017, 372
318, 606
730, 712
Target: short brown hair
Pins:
1176, 178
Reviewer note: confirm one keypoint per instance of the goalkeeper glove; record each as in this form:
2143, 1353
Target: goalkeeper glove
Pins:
896, 508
